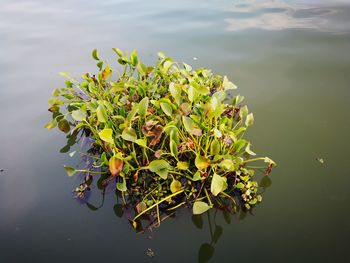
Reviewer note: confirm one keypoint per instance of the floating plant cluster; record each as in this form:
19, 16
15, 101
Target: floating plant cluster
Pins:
168, 136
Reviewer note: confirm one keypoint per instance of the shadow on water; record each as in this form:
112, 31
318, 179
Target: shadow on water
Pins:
207, 222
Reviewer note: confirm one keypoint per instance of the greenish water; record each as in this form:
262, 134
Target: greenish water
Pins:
290, 59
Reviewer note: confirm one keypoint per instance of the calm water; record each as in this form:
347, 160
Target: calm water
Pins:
290, 59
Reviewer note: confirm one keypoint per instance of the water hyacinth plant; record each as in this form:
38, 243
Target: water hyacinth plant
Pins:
169, 135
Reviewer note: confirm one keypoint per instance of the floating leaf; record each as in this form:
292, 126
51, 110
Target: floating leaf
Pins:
182, 165
218, 184
106, 135
79, 115
175, 186
200, 207
201, 162
115, 165
227, 85
129, 134
69, 170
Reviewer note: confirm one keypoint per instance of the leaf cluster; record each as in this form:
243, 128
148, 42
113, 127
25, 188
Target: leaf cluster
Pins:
169, 134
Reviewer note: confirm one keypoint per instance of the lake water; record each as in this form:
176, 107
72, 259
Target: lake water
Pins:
291, 61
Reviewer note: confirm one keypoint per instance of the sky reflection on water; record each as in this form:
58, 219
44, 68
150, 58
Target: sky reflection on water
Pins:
279, 15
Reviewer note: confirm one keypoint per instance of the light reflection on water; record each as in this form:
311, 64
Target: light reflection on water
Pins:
280, 15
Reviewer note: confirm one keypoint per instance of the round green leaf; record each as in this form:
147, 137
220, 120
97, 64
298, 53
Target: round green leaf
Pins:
106, 135
199, 207
218, 184
129, 134
69, 170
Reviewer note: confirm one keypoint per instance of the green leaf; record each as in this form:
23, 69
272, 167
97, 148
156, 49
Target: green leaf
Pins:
218, 184
192, 94
200, 207
187, 67
69, 170
133, 58
79, 115
175, 91
190, 126
121, 186
197, 176
106, 135
63, 125
50, 125
118, 51
129, 134
215, 147
243, 111
173, 148
227, 164
133, 112
201, 162
239, 144
227, 85
237, 100
269, 161
101, 113
249, 120
175, 186
143, 105
161, 54
182, 165
95, 54
167, 109
160, 167
99, 65
201, 89
142, 142
240, 186
248, 150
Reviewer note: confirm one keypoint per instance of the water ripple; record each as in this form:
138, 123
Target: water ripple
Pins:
275, 15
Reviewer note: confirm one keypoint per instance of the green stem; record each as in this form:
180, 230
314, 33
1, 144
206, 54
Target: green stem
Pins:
156, 204
206, 193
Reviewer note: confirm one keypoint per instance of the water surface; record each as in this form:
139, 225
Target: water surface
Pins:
290, 59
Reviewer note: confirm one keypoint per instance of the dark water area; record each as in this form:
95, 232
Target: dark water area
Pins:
291, 61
